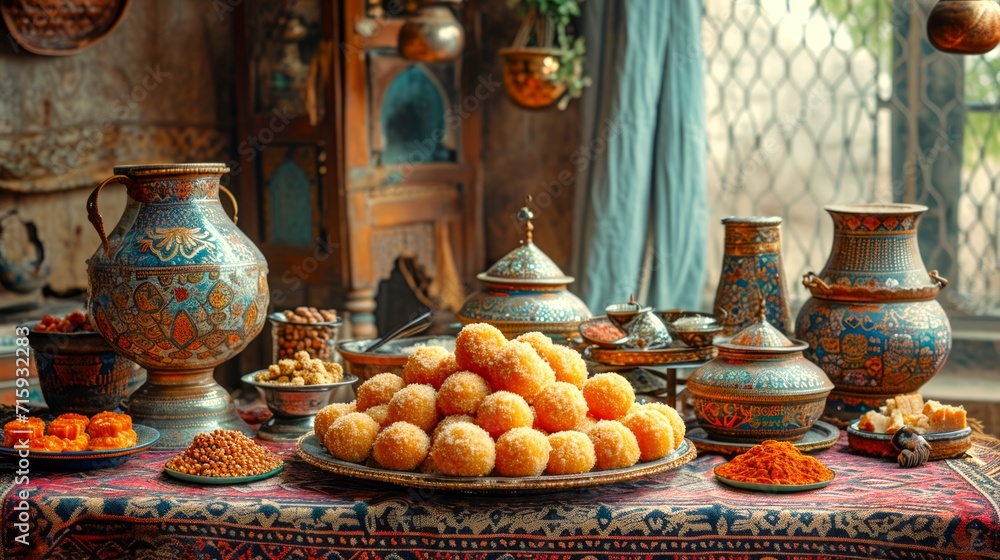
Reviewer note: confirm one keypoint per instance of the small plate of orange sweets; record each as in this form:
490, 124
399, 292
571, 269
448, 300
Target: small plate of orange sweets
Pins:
74, 442
496, 415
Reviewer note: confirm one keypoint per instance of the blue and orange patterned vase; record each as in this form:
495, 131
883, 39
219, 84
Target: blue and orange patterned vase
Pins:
752, 272
178, 289
873, 323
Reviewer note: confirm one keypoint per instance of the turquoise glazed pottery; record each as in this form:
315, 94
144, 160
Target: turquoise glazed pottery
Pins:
751, 273
526, 291
760, 387
178, 289
78, 372
873, 323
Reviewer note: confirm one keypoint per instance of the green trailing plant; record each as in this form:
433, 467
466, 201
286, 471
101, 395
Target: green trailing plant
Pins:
552, 29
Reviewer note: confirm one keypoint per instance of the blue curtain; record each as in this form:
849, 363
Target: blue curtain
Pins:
641, 204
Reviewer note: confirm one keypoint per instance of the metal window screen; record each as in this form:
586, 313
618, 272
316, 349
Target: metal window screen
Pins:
815, 102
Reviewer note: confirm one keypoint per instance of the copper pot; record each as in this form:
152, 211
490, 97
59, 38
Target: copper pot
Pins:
432, 34
527, 76
964, 26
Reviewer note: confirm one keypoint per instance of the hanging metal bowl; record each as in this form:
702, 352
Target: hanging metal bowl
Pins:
61, 27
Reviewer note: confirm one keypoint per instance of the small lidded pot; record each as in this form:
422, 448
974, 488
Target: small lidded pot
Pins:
760, 387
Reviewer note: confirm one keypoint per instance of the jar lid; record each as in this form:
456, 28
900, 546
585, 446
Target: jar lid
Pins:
764, 337
527, 264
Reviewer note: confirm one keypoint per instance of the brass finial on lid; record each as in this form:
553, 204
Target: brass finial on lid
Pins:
526, 215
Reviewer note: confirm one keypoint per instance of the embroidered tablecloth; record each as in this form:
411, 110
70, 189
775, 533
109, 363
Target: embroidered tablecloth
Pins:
873, 509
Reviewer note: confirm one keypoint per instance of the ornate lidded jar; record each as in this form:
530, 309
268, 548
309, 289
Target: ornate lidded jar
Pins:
525, 291
751, 272
760, 387
873, 323
178, 289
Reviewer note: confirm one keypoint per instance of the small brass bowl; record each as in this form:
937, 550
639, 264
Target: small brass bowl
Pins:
697, 338
294, 407
527, 76
388, 359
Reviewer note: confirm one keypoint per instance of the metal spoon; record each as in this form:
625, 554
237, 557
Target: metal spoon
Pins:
417, 325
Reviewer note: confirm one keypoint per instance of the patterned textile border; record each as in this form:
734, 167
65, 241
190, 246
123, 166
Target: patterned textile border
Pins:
874, 509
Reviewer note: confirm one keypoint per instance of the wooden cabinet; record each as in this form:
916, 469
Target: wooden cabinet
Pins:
350, 155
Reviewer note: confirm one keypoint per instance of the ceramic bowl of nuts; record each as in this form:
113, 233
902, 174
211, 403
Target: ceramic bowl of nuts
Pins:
295, 390
304, 329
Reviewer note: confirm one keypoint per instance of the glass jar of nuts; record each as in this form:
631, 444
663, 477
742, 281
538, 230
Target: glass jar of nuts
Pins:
304, 328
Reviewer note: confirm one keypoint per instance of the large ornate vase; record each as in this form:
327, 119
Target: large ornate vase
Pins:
751, 272
178, 289
873, 323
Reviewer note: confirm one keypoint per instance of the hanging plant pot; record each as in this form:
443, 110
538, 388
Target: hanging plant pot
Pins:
528, 76
964, 26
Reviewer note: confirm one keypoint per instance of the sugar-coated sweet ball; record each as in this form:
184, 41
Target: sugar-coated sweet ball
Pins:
351, 437
377, 390
463, 449
416, 404
379, 414
586, 424
326, 416
652, 432
609, 396
477, 345
566, 363
572, 453
462, 393
559, 407
401, 447
448, 420
522, 452
519, 369
615, 447
429, 365
503, 411
676, 422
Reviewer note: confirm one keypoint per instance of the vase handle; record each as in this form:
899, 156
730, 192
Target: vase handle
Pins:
94, 215
236, 207
940, 280
811, 281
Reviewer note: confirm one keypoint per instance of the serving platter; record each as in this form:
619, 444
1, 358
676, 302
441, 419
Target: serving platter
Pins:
221, 480
74, 461
676, 353
821, 436
313, 452
944, 445
771, 488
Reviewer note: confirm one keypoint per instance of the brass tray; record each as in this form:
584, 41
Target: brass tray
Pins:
821, 436
675, 354
310, 450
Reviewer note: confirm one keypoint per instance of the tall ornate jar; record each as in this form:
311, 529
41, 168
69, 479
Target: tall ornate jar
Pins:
178, 289
752, 271
873, 323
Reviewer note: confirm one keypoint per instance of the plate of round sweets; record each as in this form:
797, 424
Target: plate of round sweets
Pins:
223, 457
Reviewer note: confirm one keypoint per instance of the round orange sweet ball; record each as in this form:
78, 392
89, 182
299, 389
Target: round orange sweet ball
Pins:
416, 404
448, 420
615, 447
476, 346
503, 411
652, 432
462, 393
609, 396
572, 453
559, 407
401, 447
672, 416
326, 416
377, 390
522, 452
351, 437
519, 369
566, 363
429, 365
379, 413
463, 449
